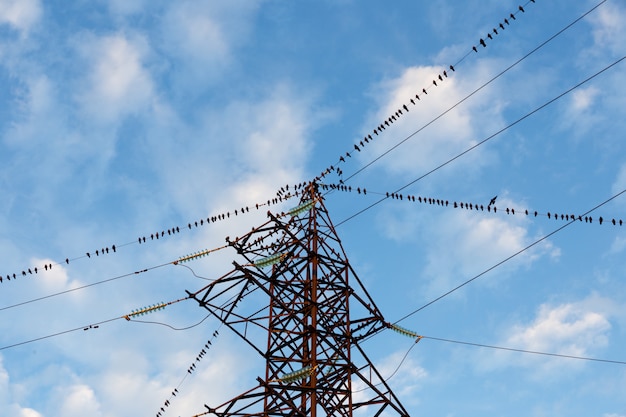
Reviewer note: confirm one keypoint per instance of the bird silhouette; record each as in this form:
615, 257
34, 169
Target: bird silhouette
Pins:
474, 48
452, 67
424, 91
495, 31
482, 42
88, 255
489, 36
501, 26
492, 202
440, 77
506, 21
445, 74
405, 107
521, 9
434, 83
512, 16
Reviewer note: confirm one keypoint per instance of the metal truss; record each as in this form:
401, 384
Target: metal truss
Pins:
309, 328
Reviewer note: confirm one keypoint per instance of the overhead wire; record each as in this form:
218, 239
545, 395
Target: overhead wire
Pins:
533, 352
476, 145
96, 325
476, 207
107, 250
508, 258
178, 262
404, 108
501, 73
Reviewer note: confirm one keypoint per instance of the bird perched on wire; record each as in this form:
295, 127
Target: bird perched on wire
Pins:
492, 202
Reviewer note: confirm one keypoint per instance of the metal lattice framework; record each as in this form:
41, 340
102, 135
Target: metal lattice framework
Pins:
310, 329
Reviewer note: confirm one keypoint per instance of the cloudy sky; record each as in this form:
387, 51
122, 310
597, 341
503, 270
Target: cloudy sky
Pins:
124, 118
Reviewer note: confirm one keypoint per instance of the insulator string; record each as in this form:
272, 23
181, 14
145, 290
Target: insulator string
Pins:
159, 235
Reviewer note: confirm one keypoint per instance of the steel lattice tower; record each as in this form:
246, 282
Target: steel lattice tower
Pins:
309, 330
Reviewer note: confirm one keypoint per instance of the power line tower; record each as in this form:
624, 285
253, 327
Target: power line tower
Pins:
309, 331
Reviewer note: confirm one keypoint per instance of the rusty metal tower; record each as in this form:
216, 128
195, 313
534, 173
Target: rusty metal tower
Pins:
310, 314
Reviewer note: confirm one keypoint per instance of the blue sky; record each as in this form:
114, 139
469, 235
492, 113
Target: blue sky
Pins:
119, 119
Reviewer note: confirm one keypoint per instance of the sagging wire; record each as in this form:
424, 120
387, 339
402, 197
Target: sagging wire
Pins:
478, 89
536, 242
196, 275
177, 262
87, 327
475, 207
202, 353
527, 115
138, 312
82, 287
417, 338
172, 327
105, 250
405, 332
436, 81
533, 352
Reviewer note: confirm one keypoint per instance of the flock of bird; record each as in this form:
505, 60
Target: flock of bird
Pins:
284, 192
190, 371
436, 81
490, 207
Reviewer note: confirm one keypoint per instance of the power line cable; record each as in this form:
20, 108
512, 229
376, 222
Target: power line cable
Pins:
89, 326
160, 235
474, 207
527, 115
519, 252
534, 352
471, 94
424, 91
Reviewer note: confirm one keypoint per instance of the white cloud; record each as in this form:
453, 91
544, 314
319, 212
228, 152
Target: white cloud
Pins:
578, 328
79, 400
21, 14
29, 412
202, 36
253, 148
445, 138
118, 83
55, 279
8, 405
405, 372
480, 242
569, 329
609, 30
619, 184
583, 99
